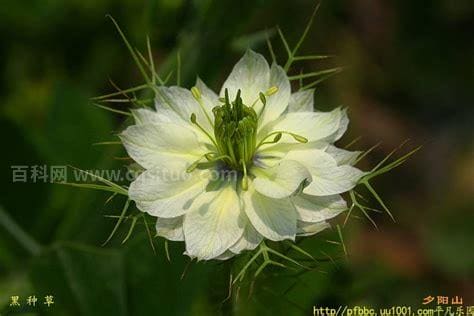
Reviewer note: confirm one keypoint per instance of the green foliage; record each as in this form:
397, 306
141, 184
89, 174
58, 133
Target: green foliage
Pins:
411, 62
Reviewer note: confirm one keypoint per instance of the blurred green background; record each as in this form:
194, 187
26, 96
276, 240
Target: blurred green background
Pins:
409, 76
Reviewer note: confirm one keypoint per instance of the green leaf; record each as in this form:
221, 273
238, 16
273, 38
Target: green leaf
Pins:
119, 221
93, 187
316, 73
122, 92
107, 108
117, 188
131, 50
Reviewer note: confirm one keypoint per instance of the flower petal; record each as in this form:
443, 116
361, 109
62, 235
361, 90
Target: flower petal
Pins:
281, 180
314, 126
278, 102
343, 124
328, 177
342, 156
167, 194
214, 224
225, 256
275, 219
251, 75
166, 145
209, 98
145, 116
312, 208
308, 229
302, 101
249, 240
182, 102
269, 155
170, 228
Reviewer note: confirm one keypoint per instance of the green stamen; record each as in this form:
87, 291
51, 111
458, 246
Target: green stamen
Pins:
271, 91
245, 182
278, 136
194, 121
198, 97
211, 157
196, 93
264, 103
274, 141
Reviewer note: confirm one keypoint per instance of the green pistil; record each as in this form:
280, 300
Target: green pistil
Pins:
235, 131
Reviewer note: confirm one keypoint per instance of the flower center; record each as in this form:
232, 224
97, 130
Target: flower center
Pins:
235, 132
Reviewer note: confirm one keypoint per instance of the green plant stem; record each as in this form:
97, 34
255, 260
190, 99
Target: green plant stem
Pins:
22, 237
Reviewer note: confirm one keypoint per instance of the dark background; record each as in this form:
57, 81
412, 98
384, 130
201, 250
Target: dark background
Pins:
409, 75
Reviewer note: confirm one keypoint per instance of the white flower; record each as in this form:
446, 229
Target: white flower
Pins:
224, 173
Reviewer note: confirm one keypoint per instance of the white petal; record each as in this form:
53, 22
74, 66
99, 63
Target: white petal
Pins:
318, 208
308, 229
166, 145
182, 102
209, 98
270, 155
145, 116
251, 75
342, 156
249, 240
327, 177
281, 180
302, 101
170, 228
214, 224
167, 194
278, 102
225, 256
275, 219
314, 126
343, 124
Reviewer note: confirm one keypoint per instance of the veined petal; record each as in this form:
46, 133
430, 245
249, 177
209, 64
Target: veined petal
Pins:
167, 145
182, 102
343, 124
278, 102
302, 101
308, 229
170, 228
209, 98
144, 116
328, 177
342, 156
275, 219
249, 240
251, 75
311, 208
214, 224
314, 126
167, 194
270, 155
281, 180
